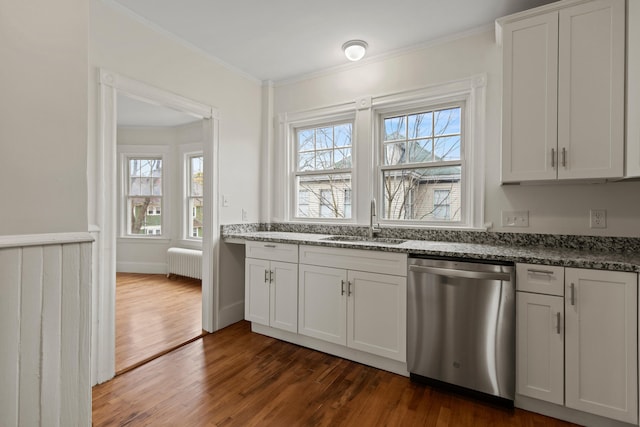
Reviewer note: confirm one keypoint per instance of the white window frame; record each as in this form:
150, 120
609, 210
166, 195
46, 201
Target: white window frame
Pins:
470, 93
366, 181
188, 196
126, 152
186, 152
290, 123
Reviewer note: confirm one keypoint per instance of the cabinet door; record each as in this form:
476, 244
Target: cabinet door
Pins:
540, 347
284, 296
256, 289
376, 314
633, 89
601, 343
529, 109
591, 90
322, 306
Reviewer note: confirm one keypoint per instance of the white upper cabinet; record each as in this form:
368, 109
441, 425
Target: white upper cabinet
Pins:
563, 92
530, 99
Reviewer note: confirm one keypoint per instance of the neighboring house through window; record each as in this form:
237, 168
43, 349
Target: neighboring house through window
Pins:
323, 170
421, 164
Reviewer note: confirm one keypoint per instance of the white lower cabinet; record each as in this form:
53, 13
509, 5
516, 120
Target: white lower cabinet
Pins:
362, 310
601, 343
271, 288
579, 348
540, 346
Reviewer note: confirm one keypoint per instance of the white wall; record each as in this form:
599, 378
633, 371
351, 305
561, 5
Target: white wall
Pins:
558, 209
43, 116
123, 45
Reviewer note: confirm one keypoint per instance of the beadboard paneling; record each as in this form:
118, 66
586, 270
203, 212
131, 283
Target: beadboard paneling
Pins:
45, 313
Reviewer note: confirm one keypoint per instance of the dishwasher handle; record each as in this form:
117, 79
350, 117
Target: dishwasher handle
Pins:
467, 274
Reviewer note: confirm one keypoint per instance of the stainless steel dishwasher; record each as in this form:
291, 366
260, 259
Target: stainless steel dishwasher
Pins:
461, 325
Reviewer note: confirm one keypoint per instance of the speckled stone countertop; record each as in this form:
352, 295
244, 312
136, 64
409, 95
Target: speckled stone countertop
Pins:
623, 259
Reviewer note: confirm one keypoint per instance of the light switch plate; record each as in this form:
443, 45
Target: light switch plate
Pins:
515, 218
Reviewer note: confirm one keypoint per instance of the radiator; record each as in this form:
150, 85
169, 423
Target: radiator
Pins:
184, 262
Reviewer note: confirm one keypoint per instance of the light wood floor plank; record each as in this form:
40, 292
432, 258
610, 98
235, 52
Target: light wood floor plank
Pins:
154, 314
237, 378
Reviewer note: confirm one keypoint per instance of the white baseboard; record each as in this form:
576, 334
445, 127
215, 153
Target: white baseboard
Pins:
566, 414
230, 314
141, 267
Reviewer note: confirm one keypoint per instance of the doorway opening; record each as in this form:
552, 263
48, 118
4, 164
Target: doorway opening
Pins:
143, 209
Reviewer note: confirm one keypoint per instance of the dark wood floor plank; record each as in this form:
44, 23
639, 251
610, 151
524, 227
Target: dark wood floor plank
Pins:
237, 378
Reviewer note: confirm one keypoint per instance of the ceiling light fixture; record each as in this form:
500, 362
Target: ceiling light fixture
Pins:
354, 50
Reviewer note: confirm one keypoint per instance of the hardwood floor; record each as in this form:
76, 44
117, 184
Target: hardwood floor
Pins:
237, 378
154, 314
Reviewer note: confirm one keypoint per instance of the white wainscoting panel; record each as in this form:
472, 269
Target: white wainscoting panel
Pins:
45, 331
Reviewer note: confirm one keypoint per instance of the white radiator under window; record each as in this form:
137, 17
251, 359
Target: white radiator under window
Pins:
184, 262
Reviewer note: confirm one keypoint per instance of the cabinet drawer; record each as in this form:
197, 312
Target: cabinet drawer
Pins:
272, 251
541, 279
355, 259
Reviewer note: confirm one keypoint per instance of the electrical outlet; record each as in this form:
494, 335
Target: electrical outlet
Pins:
598, 218
244, 214
225, 200
515, 218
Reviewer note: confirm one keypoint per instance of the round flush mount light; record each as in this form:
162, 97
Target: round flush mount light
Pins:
354, 50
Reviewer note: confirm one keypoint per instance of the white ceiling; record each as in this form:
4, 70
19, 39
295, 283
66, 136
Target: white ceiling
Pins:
282, 39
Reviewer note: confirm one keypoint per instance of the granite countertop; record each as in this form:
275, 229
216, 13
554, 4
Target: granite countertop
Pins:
603, 260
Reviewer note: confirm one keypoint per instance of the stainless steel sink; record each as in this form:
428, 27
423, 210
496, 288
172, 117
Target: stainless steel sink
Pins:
360, 239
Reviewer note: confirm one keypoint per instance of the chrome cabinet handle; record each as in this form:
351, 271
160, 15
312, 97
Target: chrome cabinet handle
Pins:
269, 246
341, 287
534, 271
573, 294
266, 276
558, 324
349, 292
271, 272
553, 158
564, 157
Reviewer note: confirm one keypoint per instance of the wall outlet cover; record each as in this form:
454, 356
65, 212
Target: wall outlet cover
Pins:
515, 218
598, 218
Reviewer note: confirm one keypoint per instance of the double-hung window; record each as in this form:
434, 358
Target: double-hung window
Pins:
422, 164
195, 195
144, 196
323, 171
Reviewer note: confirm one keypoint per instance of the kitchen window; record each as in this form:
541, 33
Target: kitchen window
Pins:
421, 168
419, 153
322, 176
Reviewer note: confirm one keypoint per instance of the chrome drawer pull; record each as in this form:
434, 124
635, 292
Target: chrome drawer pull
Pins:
553, 158
534, 271
558, 324
269, 246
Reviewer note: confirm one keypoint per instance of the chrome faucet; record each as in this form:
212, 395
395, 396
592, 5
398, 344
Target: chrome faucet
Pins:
373, 229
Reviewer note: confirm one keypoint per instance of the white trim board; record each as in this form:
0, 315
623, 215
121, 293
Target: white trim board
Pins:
104, 268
